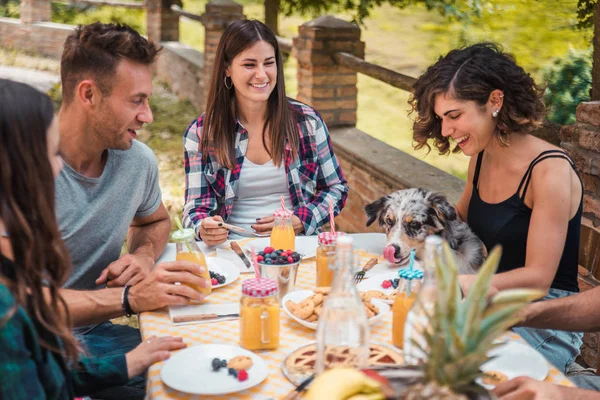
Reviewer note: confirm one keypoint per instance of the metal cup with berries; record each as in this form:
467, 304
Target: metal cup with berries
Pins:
281, 265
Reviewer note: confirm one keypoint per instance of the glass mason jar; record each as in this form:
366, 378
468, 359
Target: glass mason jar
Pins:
283, 236
259, 315
188, 250
326, 257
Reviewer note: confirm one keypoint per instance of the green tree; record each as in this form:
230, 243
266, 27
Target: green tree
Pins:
361, 9
569, 81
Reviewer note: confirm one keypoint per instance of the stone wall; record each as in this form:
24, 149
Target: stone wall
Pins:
43, 38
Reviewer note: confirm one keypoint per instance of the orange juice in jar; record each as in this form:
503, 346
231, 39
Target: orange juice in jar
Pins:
326, 257
283, 236
259, 315
187, 250
400, 309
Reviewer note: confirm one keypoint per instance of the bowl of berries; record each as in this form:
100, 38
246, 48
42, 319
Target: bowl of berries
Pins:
280, 265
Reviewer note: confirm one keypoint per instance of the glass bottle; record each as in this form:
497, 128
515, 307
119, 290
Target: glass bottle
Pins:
188, 250
283, 236
417, 321
259, 315
343, 330
326, 257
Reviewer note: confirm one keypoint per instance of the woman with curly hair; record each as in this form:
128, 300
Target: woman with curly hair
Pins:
521, 192
39, 357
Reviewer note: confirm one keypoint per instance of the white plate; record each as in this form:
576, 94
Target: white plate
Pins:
190, 370
300, 295
374, 283
515, 359
305, 245
223, 267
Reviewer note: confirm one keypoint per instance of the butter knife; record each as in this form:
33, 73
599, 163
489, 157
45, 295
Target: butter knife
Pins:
238, 250
202, 317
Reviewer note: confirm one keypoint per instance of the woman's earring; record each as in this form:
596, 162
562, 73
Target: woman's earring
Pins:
225, 81
495, 113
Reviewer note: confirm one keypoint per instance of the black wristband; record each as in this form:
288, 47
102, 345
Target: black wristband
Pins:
125, 302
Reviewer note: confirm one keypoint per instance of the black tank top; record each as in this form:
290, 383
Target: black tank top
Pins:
507, 223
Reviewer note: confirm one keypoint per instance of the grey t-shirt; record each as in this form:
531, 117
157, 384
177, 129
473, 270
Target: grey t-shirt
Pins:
94, 214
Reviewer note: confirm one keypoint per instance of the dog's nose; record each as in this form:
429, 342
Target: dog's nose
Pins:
397, 252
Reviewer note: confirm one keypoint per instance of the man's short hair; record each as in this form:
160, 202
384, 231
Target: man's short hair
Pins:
94, 51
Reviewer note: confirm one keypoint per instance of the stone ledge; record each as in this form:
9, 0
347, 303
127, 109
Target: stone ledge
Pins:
394, 167
186, 52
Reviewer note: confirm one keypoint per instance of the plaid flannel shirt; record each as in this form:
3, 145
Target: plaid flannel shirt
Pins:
29, 371
314, 179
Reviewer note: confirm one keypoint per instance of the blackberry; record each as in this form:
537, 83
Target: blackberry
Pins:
216, 364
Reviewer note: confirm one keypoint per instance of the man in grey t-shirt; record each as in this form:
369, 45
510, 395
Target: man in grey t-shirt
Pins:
108, 192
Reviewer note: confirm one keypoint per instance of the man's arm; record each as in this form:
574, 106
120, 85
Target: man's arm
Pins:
577, 313
159, 289
527, 388
146, 241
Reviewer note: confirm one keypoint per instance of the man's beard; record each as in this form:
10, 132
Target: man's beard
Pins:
111, 135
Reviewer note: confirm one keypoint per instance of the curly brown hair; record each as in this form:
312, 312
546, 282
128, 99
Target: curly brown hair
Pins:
472, 73
94, 51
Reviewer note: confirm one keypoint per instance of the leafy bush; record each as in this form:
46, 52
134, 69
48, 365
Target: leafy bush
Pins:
83, 15
10, 9
569, 81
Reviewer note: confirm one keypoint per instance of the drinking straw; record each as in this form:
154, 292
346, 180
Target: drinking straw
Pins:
412, 259
331, 220
255, 262
282, 203
180, 226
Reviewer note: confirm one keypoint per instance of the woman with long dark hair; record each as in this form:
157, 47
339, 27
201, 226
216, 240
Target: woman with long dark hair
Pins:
254, 145
521, 192
39, 358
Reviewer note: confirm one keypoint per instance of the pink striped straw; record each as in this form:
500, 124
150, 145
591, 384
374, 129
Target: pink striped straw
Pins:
255, 263
282, 203
331, 219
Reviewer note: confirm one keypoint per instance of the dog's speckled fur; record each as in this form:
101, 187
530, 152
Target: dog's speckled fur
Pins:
410, 215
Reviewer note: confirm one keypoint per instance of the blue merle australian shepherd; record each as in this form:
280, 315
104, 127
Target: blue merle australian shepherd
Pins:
410, 215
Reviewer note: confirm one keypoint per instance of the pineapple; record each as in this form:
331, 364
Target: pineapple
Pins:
463, 332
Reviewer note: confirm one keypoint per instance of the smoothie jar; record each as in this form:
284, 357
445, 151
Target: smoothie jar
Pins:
187, 250
404, 301
259, 315
326, 257
283, 236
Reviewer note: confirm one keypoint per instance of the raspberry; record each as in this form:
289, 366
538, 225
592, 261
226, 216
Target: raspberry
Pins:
242, 375
386, 284
269, 250
290, 259
214, 281
259, 258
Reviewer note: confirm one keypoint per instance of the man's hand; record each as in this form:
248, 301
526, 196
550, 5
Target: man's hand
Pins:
212, 232
265, 224
130, 269
523, 388
165, 286
151, 351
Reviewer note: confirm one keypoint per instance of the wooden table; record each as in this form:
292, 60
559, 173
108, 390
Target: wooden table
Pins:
292, 335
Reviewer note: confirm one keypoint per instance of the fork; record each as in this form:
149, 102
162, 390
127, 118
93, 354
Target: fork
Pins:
360, 275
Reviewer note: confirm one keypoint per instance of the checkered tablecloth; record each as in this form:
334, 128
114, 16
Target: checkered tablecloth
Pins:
292, 336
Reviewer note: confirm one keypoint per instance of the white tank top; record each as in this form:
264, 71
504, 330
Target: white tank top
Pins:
258, 193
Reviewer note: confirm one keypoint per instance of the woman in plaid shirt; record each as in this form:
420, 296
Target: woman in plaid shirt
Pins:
38, 354
254, 145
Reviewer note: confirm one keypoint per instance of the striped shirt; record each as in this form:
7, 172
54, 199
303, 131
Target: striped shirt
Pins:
314, 179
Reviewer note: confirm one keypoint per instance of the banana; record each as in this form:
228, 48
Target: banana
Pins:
340, 384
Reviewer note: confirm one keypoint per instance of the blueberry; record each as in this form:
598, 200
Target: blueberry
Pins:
232, 372
221, 279
216, 364
261, 253
223, 363
268, 261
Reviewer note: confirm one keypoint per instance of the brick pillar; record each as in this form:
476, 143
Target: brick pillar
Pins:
35, 11
329, 88
162, 23
218, 16
582, 142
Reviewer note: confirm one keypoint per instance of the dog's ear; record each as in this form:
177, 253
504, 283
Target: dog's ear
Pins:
443, 210
376, 209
